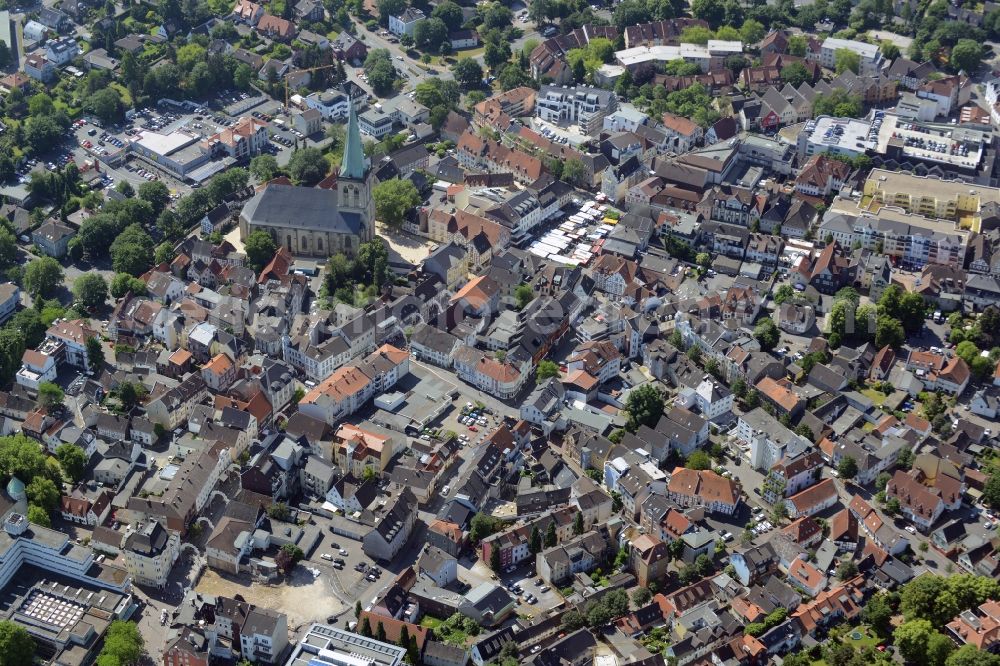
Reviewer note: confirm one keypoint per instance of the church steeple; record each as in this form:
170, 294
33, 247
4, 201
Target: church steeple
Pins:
353, 165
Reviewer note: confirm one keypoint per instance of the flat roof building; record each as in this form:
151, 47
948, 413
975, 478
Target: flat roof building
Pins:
955, 148
177, 152
704, 56
324, 645
956, 201
838, 136
68, 620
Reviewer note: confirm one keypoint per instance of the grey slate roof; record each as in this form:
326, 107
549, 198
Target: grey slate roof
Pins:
300, 208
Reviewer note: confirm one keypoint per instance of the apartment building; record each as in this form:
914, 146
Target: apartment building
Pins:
349, 387
583, 105
769, 440
929, 196
910, 240
150, 552
69, 341
706, 489
870, 55
264, 636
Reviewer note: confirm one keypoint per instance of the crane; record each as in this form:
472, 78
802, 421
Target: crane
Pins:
301, 71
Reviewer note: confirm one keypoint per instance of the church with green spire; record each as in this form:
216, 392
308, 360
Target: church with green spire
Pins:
334, 217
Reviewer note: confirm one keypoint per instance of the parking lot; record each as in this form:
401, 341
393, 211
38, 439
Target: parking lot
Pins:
520, 582
572, 135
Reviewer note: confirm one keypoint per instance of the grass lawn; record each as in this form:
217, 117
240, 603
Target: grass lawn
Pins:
868, 639
875, 396
430, 622
469, 53
124, 93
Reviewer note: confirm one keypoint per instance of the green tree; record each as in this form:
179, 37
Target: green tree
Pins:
164, 253
578, 523
16, 645
574, 172
752, 31
288, 556
430, 35
783, 294
878, 612
630, 12
846, 60
795, 74
123, 645
911, 639
641, 596
123, 283
496, 55
966, 350
260, 248
264, 167
905, 459
125, 189
39, 516
929, 598
308, 166
42, 276
91, 289
712, 11
797, 45
156, 193
42, 133
43, 492
970, 655
523, 295
889, 50
991, 491
130, 394
394, 199
892, 506
766, 333
889, 332
535, 542
132, 251
387, 8
483, 525
966, 56
50, 396
468, 73
95, 353
450, 13
573, 619
8, 248
698, 460
495, 559
550, 535
838, 103
643, 406
73, 461
847, 468
912, 312
847, 570
546, 370
381, 72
